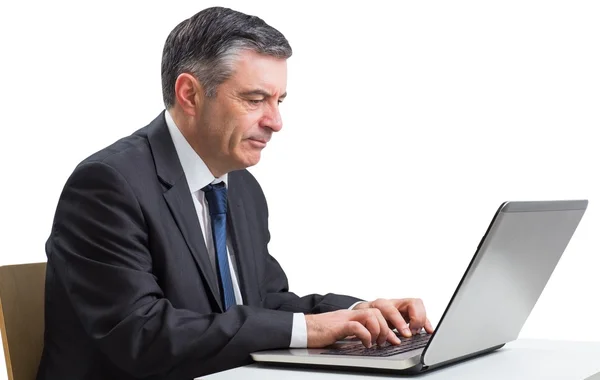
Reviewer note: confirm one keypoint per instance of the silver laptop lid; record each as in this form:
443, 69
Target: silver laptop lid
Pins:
505, 278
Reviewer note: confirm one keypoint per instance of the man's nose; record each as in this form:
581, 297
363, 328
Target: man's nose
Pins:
272, 119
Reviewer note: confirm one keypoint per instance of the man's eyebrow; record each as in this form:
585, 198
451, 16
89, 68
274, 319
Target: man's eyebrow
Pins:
261, 93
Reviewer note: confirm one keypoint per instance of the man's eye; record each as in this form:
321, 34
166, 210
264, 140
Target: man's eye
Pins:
255, 101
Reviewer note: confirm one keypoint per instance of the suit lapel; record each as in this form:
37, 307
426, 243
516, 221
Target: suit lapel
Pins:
242, 241
179, 199
180, 202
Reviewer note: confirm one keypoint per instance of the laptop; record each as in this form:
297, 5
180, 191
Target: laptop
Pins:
502, 283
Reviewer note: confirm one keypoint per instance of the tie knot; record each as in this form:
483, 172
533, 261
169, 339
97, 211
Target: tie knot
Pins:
216, 196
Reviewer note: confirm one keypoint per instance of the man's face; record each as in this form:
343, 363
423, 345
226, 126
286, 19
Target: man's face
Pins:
238, 122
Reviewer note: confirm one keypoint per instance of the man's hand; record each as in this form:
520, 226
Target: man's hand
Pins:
406, 315
368, 325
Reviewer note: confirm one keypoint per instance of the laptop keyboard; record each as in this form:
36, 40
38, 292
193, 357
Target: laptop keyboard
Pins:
387, 349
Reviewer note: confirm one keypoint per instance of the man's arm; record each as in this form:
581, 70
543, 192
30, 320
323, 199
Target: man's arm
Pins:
99, 248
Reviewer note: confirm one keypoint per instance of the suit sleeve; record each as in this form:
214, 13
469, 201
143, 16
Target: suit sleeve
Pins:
99, 247
274, 287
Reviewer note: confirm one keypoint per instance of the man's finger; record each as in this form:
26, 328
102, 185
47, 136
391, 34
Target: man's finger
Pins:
418, 318
384, 329
393, 338
391, 313
372, 324
360, 331
428, 327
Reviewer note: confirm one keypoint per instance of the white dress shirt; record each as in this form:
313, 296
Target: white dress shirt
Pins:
198, 175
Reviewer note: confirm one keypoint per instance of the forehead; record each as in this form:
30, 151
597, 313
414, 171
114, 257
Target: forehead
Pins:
253, 71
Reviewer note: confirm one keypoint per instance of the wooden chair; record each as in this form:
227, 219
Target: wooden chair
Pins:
22, 318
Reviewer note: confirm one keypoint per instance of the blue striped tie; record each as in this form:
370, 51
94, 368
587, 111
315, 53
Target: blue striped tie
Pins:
216, 195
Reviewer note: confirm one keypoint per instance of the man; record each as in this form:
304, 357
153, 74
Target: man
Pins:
157, 261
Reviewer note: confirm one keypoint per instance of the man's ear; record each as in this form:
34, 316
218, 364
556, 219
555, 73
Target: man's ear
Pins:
189, 94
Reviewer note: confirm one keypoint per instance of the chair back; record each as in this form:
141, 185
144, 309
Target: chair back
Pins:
22, 318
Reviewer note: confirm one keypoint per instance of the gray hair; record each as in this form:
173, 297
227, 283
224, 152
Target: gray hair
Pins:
207, 44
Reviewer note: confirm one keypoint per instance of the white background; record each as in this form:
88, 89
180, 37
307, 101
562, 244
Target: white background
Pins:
439, 111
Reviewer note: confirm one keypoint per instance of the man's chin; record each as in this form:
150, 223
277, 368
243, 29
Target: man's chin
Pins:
250, 160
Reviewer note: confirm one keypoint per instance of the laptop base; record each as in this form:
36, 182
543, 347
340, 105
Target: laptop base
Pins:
411, 371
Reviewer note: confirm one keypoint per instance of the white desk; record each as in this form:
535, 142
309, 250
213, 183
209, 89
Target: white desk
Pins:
521, 359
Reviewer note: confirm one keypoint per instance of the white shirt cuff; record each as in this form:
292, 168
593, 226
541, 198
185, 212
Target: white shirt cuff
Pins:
299, 334
352, 307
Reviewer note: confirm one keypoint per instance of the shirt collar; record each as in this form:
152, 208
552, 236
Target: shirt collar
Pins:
196, 172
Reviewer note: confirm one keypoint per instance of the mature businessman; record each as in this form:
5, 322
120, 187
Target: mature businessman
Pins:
157, 259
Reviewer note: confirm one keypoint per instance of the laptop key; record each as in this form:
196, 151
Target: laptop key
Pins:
408, 344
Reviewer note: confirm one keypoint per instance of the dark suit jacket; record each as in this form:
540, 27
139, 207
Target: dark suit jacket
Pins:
130, 291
